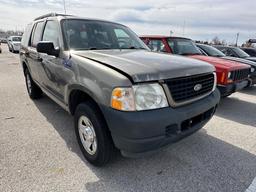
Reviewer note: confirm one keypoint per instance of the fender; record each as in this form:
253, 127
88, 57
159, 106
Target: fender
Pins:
97, 94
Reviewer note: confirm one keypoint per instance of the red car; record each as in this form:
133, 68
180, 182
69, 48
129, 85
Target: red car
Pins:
231, 76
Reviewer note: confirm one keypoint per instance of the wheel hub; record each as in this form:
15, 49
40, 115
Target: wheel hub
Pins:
87, 135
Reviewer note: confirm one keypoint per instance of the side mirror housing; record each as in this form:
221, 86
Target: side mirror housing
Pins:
48, 48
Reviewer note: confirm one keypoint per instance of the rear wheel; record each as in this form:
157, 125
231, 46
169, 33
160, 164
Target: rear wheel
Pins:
34, 91
92, 134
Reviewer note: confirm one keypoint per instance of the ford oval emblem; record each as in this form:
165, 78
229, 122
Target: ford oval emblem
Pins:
198, 87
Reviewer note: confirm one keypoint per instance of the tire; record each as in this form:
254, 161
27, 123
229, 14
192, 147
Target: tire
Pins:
34, 91
104, 150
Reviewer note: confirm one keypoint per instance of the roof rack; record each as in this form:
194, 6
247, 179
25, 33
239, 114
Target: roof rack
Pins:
50, 15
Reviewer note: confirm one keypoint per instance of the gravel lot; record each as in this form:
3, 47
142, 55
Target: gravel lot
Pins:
39, 152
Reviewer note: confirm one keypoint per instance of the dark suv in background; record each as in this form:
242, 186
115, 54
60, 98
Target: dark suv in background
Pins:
235, 52
250, 51
121, 94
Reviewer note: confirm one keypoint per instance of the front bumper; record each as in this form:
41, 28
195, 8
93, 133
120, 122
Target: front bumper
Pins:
16, 47
139, 132
228, 89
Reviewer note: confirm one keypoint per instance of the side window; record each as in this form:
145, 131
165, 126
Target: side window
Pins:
172, 46
248, 51
229, 52
26, 35
51, 33
157, 45
225, 51
37, 34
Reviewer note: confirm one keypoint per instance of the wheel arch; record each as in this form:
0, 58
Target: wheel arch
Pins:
78, 94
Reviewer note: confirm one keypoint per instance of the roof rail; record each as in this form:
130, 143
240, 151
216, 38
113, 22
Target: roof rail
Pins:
50, 15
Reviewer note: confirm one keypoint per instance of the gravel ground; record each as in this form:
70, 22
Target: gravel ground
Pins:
39, 152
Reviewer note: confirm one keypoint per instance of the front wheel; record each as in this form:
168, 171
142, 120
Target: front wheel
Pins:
92, 134
34, 91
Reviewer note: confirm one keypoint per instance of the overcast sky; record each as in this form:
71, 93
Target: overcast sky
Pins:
197, 19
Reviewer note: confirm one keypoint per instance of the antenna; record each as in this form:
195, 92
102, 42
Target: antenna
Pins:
64, 4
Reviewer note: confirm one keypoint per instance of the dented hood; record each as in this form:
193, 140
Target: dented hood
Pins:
143, 65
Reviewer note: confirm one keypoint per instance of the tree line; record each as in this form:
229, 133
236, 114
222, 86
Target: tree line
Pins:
217, 41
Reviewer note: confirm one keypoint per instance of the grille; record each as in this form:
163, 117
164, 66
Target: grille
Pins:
184, 89
240, 74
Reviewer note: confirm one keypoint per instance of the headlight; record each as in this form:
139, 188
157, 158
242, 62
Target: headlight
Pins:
149, 96
139, 97
215, 81
252, 69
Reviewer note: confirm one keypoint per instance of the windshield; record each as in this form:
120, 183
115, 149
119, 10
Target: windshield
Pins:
183, 47
240, 52
16, 39
94, 35
211, 51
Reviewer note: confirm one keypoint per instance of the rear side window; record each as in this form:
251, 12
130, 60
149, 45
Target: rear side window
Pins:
37, 34
26, 35
228, 52
157, 45
51, 33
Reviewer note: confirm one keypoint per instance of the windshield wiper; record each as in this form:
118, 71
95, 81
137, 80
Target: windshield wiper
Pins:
95, 48
132, 47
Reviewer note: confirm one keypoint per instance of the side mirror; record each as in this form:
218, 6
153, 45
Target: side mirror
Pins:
48, 48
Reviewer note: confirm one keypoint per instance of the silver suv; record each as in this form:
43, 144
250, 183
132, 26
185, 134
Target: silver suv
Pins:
122, 95
14, 43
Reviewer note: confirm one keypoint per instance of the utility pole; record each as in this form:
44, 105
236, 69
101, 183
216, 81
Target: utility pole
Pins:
237, 37
64, 3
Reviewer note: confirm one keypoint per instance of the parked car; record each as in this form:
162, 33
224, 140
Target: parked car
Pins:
121, 94
0, 48
250, 51
3, 40
235, 52
231, 76
212, 51
14, 43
